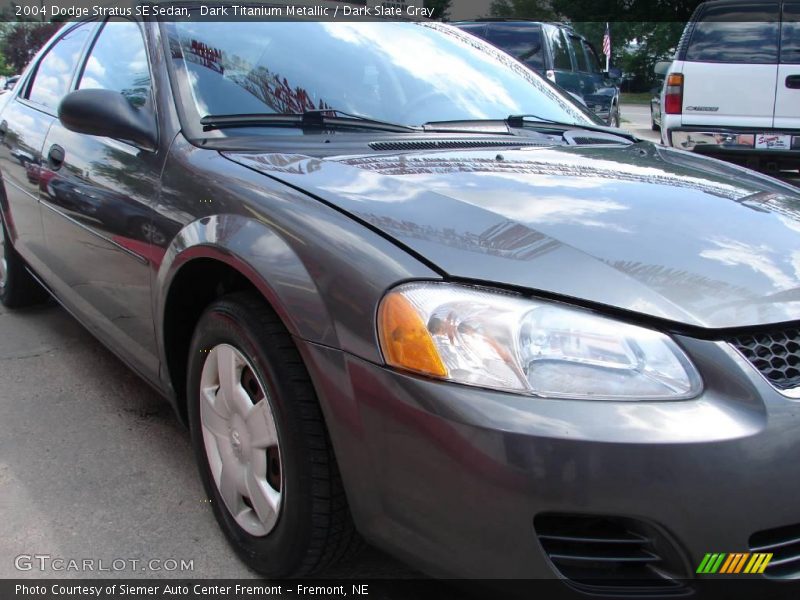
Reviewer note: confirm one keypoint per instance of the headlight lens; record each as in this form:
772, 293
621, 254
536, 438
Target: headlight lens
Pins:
505, 342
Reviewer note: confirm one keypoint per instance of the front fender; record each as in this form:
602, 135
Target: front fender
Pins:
257, 252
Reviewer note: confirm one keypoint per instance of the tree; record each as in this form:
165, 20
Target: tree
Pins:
23, 40
441, 8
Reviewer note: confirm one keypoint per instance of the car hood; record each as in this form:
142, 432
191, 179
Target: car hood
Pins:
641, 228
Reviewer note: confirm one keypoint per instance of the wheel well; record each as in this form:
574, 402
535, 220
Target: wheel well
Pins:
196, 285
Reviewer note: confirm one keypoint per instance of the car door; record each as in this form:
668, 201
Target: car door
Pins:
730, 66
523, 41
598, 94
787, 94
582, 75
563, 73
98, 205
24, 124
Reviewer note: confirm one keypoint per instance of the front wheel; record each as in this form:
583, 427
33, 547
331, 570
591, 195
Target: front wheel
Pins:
614, 121
18, 288
261, 444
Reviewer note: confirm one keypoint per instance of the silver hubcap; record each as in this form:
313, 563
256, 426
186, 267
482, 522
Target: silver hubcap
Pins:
3, 263
241, 440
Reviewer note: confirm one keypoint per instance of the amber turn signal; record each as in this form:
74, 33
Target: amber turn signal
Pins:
404, 338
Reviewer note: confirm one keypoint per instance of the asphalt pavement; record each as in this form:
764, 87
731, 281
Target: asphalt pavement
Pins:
94, 465
636, 119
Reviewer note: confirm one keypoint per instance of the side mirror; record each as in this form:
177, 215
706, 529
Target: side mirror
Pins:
613, 73
109, 114
662, 67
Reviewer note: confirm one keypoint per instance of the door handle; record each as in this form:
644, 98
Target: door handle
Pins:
55, 157
793, 82
3, 129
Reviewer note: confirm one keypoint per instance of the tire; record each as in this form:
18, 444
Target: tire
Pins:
615, 120
311, 527
18, 288
653, 125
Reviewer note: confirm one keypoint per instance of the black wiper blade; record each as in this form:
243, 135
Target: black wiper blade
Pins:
520, 122
319, 118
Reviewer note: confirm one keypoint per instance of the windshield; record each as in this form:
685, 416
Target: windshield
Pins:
404, 73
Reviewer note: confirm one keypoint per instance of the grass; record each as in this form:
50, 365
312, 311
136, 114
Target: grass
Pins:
638, 98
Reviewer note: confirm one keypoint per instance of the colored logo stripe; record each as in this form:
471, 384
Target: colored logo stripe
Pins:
711, 563
724, 563
734, 563
758, 563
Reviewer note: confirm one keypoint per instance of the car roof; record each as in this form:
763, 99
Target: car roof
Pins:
531, 22
733, 3
715, 2
510, 20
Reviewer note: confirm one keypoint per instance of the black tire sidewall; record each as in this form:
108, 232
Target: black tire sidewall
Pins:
21, 289
7, 253
14, 269
279, 553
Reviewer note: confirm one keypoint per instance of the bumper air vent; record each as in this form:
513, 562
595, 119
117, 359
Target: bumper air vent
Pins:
611, 554
784, 545
775, 354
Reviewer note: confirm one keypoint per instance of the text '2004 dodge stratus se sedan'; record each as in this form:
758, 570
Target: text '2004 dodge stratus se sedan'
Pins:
398, 284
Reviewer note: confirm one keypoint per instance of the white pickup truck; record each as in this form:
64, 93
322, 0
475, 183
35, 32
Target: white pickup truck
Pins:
733, 90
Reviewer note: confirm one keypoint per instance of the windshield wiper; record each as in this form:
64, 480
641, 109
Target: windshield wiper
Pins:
320, 119
520, 122
499, 126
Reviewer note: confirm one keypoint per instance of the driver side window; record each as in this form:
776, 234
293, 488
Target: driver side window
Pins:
53, 76
118, 62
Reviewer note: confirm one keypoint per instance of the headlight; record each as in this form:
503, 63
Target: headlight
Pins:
506, 342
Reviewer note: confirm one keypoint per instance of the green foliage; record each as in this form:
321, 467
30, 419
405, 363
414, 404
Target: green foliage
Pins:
441, 8
654, 41
22, 40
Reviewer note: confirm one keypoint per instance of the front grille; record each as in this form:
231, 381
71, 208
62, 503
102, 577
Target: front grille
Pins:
775, 354
784, 545
610, 553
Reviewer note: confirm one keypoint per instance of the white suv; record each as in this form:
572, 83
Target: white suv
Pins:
734, 89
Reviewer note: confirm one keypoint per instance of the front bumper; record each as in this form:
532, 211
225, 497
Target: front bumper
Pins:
601, 109
451, 478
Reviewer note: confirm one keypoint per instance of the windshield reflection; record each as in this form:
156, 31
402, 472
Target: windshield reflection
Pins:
406, 73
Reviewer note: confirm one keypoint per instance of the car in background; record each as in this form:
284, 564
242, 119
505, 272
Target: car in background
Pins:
660, 71
560, 54
655, 106
9, 84
733, 90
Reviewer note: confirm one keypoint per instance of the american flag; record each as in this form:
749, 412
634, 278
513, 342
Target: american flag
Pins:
607, 42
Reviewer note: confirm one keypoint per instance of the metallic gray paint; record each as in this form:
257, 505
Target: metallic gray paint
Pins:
639, 228
446, 466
